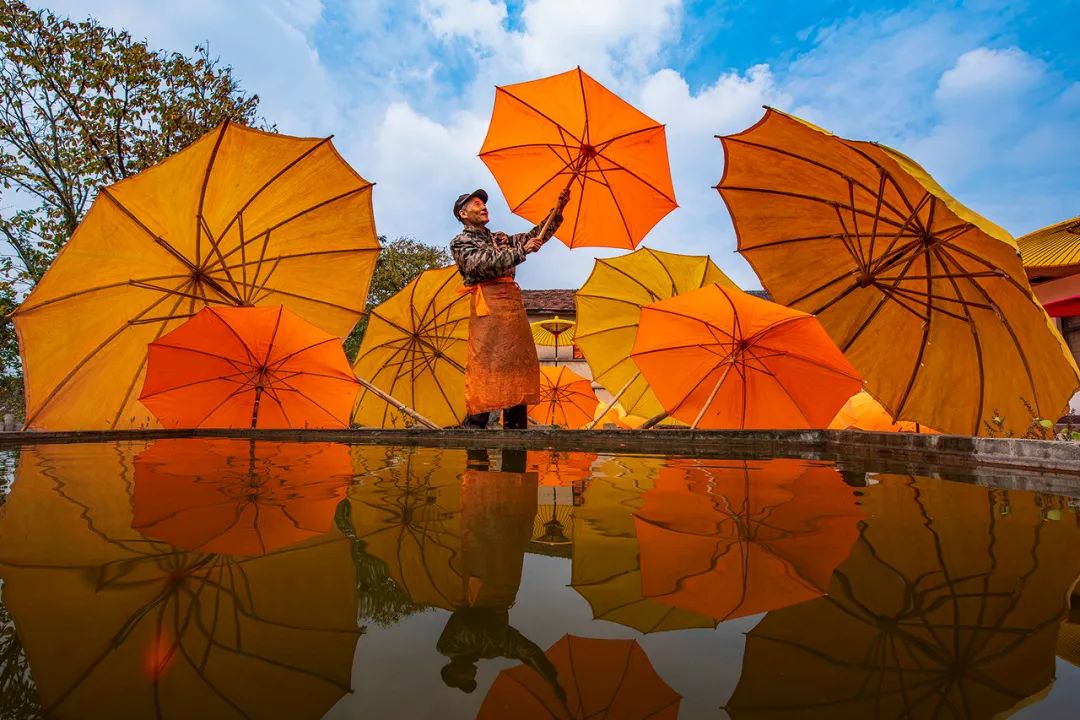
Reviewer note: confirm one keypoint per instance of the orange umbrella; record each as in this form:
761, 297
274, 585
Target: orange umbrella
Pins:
863, 412
568, 130
238, 497
596, 678
566, 398
732, 538
560, 468
721, 358
249, 367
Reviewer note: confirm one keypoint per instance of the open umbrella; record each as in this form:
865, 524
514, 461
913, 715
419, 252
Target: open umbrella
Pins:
567, 131
936, 613
408, 514
609, 309
734, 538
927, 299
596, 678
606, 564
549, 332
414, 349
721, 358
863, 412
566, 398
116, 625
240, 217
1052, 251
248, 367
238, 497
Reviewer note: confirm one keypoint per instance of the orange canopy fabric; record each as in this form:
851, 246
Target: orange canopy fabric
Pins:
239, 217
863, 412
118, 626
721, 358
559, 468
735, 538
238, 497
249, 367
568, 130
927, 299
948, 606
596, 679
566, 398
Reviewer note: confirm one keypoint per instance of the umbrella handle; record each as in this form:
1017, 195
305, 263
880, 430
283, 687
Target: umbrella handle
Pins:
569, 183
398, 404
614, 400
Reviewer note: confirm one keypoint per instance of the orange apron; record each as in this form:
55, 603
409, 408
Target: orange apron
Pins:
502, 369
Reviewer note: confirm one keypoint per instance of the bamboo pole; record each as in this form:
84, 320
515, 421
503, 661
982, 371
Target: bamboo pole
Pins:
712, 396
398, 404
614, 399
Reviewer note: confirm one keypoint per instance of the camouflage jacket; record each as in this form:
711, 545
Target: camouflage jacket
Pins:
484, 255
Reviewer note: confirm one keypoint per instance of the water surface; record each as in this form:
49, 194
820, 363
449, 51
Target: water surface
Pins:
220, 578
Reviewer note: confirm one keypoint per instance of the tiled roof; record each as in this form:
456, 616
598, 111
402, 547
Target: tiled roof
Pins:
1052, 247
759, 293
553, 301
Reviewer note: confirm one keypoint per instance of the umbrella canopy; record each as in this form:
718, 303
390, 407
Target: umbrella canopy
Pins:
606, 556
609, 309
1052, 251
408, 514
118, 626
568, 130
721, 358
927, 299
240, 217
252, 367
596, 678
553, 331
863, 412
238, 497
936, 613
566, 398
735, 538
414, 349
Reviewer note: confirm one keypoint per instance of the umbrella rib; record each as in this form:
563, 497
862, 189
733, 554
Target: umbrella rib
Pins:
87, 358
541, 186
313, 401
614, 201
227, 378
277, 291
284, 358
877, 212
538, 112
643, 181
216, 247
845, 236
25, 309
925, 336
811, 198
202, 191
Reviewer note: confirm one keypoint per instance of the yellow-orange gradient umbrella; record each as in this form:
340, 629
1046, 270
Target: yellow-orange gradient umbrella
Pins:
734, 538
116, 625
568, 130
721, 358
938, 612
927, 299
566, 399
238, 497
414, 349
597, 678
609, 309
240, 217
863, 412
248, 367
606, 565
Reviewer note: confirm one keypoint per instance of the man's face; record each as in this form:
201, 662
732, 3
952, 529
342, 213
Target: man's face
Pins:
474, 212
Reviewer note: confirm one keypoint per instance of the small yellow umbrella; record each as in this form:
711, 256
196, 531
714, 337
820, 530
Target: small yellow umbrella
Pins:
609, 308
239, 217
549, 332
414, 349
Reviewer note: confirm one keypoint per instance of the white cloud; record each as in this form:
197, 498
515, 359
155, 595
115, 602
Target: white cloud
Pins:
984, 76
478, 20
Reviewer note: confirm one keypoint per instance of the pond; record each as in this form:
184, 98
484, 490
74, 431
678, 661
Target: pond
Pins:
220, 578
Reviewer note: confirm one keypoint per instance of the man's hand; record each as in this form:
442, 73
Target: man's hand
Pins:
533, 244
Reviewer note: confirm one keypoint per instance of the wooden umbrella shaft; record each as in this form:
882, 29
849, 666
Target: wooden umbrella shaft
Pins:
578, 165
394, 402
611, 403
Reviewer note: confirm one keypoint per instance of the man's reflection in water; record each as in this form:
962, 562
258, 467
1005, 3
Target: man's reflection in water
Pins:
498, 507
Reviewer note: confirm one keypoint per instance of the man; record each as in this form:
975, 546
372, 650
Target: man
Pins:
501, 372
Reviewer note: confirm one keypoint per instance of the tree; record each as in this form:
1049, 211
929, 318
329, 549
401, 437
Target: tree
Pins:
83, 105
400, 261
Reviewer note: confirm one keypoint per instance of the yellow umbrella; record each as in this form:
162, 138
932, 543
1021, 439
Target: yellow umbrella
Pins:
118, 625
936, 613
414, 349
549, 332
240, 217
927, 299
1052, 251
609, 307
606, 565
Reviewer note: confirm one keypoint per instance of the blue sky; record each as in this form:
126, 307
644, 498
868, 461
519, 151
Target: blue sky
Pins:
985, 94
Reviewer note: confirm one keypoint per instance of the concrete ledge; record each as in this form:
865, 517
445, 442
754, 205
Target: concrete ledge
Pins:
873, 449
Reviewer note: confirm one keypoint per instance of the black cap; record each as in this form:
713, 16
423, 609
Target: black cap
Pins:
462, 199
